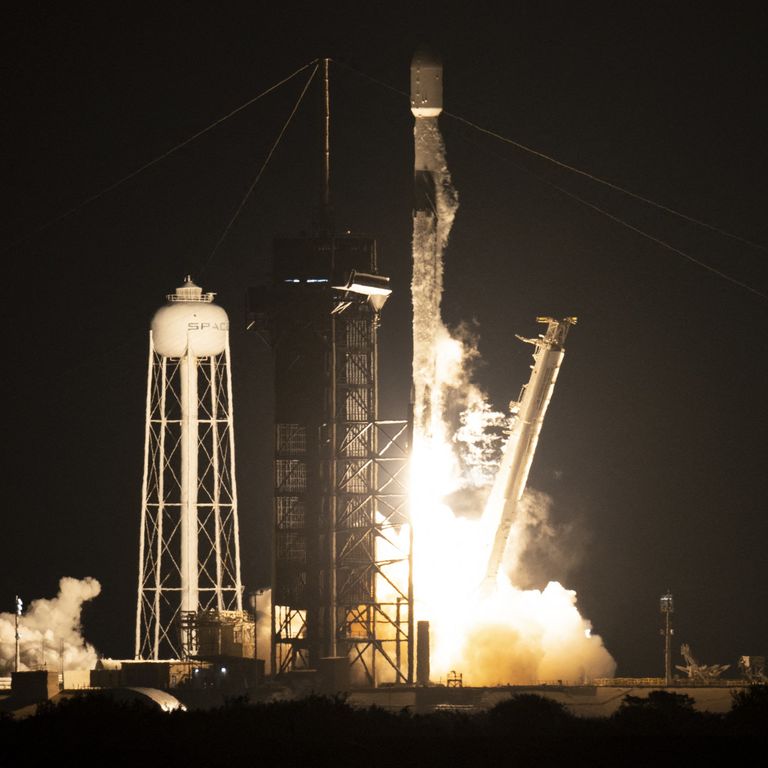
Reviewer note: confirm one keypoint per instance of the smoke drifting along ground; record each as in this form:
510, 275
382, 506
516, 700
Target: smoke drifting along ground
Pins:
50, 631
502, 633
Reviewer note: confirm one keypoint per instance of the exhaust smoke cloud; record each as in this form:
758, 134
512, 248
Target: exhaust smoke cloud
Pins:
498, 633
50, 631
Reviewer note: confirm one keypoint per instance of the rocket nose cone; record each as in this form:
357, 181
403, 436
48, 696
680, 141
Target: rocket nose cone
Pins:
425, 56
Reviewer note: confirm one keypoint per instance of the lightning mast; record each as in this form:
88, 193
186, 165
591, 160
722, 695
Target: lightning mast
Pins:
528, 412
667, 607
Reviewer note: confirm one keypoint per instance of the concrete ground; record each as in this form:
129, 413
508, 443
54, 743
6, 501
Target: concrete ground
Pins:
586, 700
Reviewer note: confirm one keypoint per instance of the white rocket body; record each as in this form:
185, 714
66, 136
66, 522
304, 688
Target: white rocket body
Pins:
512, 476
434, 207
426, 84
426, 105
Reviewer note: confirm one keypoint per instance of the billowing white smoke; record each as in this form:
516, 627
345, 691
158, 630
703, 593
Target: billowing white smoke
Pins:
263, 614
532, 636
542, 545
481, 431
503, 634
49, 631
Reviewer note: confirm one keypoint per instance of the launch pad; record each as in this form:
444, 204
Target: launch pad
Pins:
354, 496
344, 585
351, 492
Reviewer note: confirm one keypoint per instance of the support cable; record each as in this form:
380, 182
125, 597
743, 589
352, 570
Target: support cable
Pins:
568, 167
272, 149
598, 209
111, 187
633, 228
658, 241
605, 182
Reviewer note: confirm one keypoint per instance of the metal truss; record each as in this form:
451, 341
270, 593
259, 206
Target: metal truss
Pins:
290, 598
369, 592
159, 605
217, 633
342, 569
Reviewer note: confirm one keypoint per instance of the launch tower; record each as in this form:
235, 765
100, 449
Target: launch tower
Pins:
340, 568
189, 590
341, 552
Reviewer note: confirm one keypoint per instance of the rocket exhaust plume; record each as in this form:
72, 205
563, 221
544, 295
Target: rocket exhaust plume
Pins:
435, 206
500, 633
49, 631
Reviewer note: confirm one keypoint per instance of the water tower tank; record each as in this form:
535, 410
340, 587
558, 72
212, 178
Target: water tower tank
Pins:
189, 556
190, 322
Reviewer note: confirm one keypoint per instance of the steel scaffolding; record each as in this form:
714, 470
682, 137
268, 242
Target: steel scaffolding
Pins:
341, 567
290, 599
368, 595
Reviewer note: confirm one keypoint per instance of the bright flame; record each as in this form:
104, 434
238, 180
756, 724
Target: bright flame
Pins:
497, 633
493, 633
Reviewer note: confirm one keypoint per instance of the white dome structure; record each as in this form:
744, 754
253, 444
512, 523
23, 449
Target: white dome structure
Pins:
189, 550
190, 323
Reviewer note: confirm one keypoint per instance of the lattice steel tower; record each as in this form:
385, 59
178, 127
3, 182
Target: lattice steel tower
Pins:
189, 552
341, 579
341, 585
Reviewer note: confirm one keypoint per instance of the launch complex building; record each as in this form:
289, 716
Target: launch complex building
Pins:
342, 610
342, 580
342, 586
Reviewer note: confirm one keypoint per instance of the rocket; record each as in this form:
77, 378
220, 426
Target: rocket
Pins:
512, 476
426, 84
433, 209
426, 105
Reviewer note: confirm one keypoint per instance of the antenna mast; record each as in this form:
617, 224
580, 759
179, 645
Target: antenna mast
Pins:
667, 608
326, 147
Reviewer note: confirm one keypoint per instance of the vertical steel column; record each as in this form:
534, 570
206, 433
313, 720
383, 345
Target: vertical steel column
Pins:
189, 481
373, 341
334, 616
667, 606
160, 543
411, 617
233, 478
217, 535
326, 144
144, 486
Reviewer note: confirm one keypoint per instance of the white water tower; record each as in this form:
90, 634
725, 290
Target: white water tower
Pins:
189, 550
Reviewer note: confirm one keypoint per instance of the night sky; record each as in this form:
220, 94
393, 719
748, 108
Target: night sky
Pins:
653, 450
